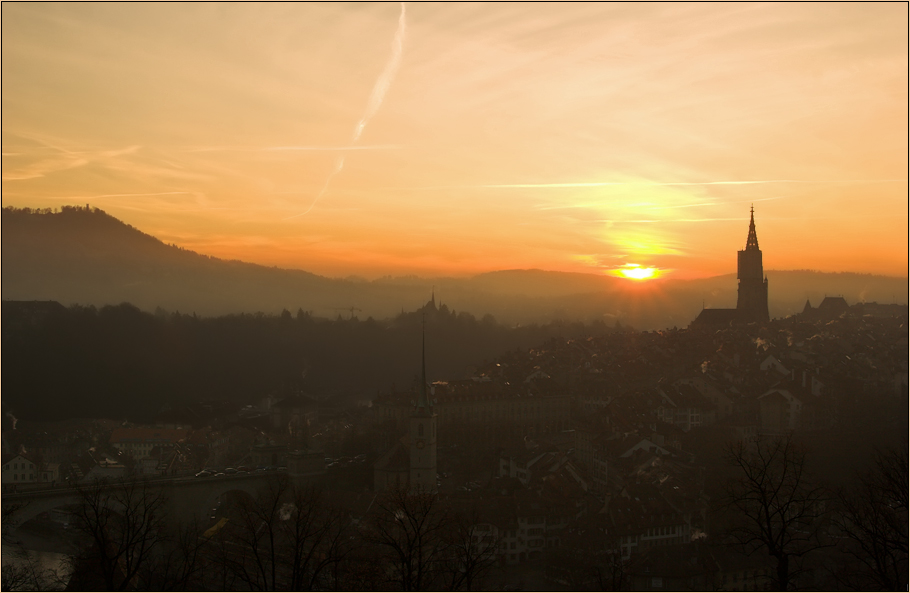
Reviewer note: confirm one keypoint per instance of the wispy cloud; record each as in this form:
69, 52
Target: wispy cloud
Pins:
158, 193
647, 184
600, 204
311, 148
46, 158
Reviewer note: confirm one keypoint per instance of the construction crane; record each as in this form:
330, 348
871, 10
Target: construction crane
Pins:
351, 309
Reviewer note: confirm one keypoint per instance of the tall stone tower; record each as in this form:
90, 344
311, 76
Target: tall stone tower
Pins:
752, 300
423, 435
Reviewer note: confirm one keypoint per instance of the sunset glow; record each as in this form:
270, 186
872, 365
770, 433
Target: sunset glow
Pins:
636, 272
454, 139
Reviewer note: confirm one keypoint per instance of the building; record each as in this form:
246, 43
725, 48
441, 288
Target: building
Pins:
139, 442
19, 470
294, 415
269, 455
412, 460
830, 308
393, 470
306, 464
480, 412
780, 411
752, 293
684, 406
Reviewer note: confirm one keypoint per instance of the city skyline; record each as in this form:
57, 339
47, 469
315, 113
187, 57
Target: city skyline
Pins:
426, 139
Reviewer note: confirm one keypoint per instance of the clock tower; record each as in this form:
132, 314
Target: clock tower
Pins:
422, 435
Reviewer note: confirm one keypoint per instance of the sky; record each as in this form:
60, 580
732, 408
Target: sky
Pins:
455, 139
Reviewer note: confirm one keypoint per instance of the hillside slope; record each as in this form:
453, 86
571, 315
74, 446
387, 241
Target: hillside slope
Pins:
86, 256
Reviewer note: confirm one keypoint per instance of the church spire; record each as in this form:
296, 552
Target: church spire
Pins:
423, 402
752, 240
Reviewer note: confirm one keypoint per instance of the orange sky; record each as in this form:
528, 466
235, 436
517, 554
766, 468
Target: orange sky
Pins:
578, 137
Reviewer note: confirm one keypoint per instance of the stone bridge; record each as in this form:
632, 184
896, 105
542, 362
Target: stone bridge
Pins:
186, 498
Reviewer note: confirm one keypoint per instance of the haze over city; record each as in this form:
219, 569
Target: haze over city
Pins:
453, 297
388, 139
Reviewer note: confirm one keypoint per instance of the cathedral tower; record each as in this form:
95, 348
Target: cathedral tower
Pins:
423, 436
752, 299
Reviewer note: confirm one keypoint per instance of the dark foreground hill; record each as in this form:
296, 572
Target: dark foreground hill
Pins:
84, 256
120, 362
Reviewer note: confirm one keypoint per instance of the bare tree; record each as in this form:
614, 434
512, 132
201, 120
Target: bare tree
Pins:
21, 573
779, 506
471, 550
252, 538
358, 569
572, 567
316, 539
584, 568
179, 564
125, 524
874, 522
285, 539
612, 572
411, 530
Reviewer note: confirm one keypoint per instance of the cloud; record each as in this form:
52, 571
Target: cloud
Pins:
41, 158
584, 184
293, 148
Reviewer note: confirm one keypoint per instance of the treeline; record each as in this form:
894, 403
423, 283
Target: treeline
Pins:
120, 362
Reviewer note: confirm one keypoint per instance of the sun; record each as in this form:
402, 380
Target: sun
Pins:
636, 272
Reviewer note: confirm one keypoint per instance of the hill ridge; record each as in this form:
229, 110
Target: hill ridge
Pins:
86, 256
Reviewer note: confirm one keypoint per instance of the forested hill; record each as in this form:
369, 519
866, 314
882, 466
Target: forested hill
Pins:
84, 256
119, 362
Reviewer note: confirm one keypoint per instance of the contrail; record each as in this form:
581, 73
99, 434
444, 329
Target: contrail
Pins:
376, 97
648, 183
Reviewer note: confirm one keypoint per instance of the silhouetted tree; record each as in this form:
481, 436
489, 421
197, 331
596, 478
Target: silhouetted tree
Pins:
285, 539
874, 519
612, 572
779, 506
21, 573
409, 529
179, 564
471, 550
585, 568
125, 525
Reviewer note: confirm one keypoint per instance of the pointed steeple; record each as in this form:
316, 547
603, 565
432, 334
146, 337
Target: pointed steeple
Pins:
423, 402
752, 240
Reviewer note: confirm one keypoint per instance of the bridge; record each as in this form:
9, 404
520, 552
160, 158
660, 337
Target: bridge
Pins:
185, 497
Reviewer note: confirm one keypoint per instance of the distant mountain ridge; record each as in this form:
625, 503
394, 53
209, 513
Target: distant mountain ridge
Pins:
85, 256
